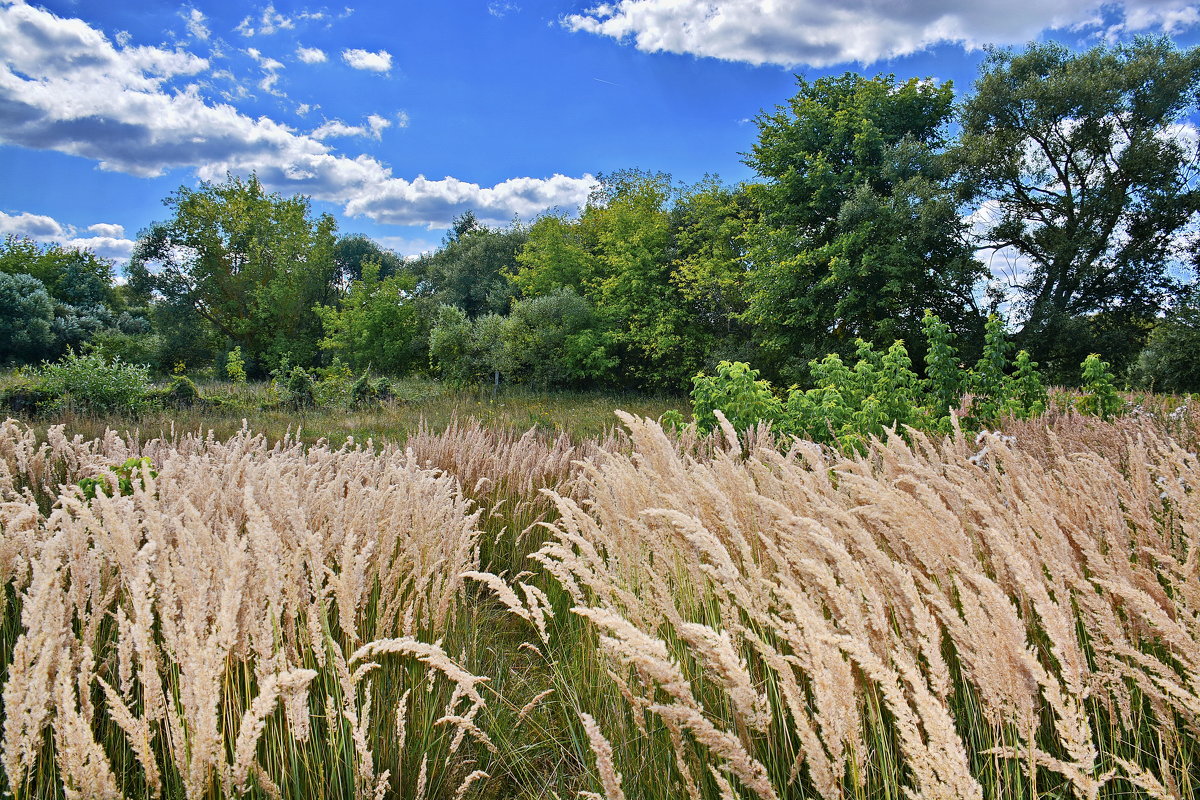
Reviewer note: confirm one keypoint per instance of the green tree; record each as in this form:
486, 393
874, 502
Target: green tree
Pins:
709, 228
1171, 360
378, 324
26, 314
252, 264
554, 340
470, 270
353, 250
468, 351
621, 257
859, 228
1074, 153
76, 277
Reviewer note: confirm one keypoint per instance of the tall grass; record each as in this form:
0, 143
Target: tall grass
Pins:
489, 614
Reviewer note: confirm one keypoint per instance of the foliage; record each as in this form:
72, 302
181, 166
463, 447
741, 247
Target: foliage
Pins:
251, 264
379, 323
848, 405
93, 384
294, 384
738, 393
180, 392
1100, 396
26, 318
859, 229
123, 475
235, 365
1077, 155
1170, 363
555, 340
468, 352
469, 271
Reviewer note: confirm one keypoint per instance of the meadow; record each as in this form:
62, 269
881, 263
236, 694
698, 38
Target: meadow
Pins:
476, 612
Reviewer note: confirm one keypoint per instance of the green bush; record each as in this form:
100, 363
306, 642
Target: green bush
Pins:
181, 392
1100, 396
295, 385
736, 392
92, 384
846, 405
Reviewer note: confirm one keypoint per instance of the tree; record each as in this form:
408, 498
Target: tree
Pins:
1091, 191
76, 277
26, 314
378, 324
554, 340
253, 265
356, 249
1171, 360
469, 271
859, 229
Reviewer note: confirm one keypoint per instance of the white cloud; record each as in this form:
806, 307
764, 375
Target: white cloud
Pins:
34, 226
365, 59
65, 87
401, 119
269, 21
107, 229
108, 240
374, 127
311, 55
820, 33
270, 68
437, 203
195, 23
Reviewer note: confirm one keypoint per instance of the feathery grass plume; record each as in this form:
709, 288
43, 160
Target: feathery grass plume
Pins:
610, 777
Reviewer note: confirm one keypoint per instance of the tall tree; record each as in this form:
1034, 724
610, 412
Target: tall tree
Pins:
1078, 159
252, 264
859, 229
468, 272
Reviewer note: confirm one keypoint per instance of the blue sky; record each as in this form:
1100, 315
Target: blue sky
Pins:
397, 116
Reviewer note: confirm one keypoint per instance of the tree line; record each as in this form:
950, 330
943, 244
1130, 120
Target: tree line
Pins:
1061, 194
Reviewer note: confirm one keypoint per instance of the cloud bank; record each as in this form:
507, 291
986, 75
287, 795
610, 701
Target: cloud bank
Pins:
820, 33
65, 86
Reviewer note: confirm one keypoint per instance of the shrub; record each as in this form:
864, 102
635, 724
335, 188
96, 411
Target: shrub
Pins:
235, 366
93, 384
181, 392
1100, 396
736, 392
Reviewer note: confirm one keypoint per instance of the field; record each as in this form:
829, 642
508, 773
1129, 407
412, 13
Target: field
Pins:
477, 612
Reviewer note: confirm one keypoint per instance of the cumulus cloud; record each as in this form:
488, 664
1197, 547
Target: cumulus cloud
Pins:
311, 55
109, 229
364, 59
819, 33
108, 239
437, 203
65, 87
33, 226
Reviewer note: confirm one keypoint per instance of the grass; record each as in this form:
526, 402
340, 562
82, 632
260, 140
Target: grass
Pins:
418, 402
1072, 547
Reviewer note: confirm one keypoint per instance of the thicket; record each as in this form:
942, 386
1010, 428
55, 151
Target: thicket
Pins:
848, 405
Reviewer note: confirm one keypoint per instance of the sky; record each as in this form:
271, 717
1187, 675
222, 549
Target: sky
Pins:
395, 116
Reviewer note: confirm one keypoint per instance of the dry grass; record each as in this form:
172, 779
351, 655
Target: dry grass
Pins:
1016, 616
